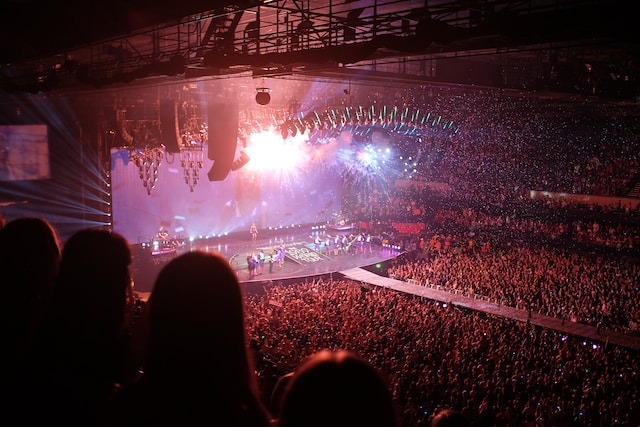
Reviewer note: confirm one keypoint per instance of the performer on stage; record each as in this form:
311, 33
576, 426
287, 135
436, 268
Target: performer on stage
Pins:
253, 231
251, 265
272, 259
282, 254
360, 241
163, 235
261, 260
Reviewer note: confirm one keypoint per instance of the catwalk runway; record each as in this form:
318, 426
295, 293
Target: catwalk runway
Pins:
302, 259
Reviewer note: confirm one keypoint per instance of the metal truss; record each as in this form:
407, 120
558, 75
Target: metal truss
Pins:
270, 38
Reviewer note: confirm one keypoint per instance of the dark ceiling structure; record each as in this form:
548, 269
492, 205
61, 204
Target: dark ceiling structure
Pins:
588, 47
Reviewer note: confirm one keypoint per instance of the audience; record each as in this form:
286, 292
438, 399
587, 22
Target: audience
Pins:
337, 388
495, 371
69, 320
551, 281
197, 369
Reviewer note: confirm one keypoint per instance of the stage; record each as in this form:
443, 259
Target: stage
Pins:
304, 257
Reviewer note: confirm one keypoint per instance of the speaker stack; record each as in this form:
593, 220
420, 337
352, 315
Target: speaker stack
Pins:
169, 128
223, 139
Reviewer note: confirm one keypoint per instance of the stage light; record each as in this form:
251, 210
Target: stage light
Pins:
263, 97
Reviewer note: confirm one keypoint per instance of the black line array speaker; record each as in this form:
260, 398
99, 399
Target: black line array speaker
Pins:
240, 161
169, 129
223, 138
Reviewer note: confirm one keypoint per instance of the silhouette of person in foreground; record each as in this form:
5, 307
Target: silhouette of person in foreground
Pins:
448, 418
197, 369
84, 349
29, 262
337, 389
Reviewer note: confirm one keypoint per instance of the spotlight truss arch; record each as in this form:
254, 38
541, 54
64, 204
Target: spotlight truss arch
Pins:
404, 122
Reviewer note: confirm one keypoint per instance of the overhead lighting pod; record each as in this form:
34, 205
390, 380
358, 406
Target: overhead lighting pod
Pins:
262, 96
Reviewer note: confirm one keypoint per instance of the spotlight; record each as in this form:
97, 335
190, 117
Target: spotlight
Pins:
263, 97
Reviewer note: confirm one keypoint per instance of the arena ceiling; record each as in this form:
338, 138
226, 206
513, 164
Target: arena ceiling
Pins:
583, 46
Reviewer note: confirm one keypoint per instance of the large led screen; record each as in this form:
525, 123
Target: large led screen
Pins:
24, 153
282, 184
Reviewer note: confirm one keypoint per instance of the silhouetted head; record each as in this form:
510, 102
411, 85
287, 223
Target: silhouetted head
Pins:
83, 349
29, 261
197, 369
196, 319
337, 389
449, 418
94, 279
278, 392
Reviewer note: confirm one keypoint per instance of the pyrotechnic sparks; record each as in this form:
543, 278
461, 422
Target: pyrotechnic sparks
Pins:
271, 154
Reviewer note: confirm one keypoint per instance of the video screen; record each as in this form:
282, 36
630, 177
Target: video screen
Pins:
276, 188
24, 153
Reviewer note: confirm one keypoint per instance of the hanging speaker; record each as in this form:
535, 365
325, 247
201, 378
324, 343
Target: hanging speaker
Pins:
169, 128
223, 138
219, 171
240, 161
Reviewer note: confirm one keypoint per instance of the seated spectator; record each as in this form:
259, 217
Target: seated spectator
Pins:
197, 368
337, 389
83, 351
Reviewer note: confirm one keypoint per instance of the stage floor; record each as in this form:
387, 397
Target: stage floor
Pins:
302, 260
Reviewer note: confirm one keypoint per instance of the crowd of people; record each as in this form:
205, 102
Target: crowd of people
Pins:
580, 265
576, 261
505, 148
582, 288
566, 257
86, 351
497, 372
530, 143
82, 349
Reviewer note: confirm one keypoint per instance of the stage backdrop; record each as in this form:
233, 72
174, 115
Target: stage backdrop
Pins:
212, 208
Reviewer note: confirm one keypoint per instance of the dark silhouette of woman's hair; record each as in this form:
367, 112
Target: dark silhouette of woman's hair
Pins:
84, 348
197, 368
337, 389
29, 262
449, 418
